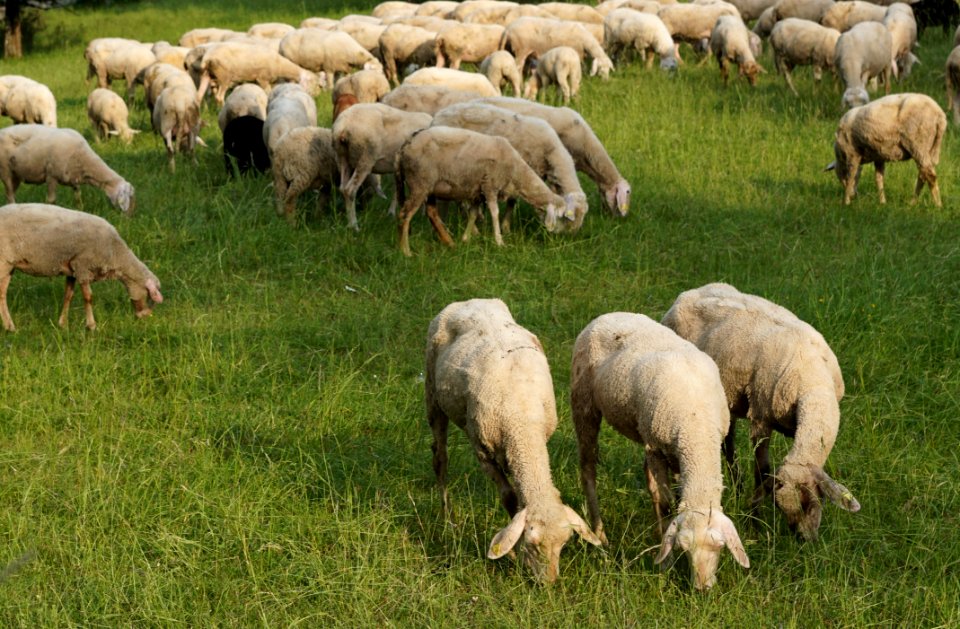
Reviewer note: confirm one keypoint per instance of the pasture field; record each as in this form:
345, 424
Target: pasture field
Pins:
256, 453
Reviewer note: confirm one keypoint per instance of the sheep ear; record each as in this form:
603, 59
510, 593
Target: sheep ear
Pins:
581, 528
837, 493
731, 539
504, 541
830, 166
570, 210
668, 539
594, 67
113, 132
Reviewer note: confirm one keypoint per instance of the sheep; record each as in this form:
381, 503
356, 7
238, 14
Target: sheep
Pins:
28, 101
436, 8
863, 52
779, 372
503, 15
536, 142
472, 349
427, 99
752, 9
765, 23
247, 99
401, 44
366, 138
501, 68
801, 42
243, 145
326, 23
96, 53
329, 52
32, 153
471, 43
176, 118
199, 36
953, 83
586, 149
457, 79
393, 7
364, 33
303, 158
461, 165
47, 240
166, 53
467, 7
270, 30
890, 129
288, 107
536, 35
644, 32
109, 115
572, 12
692, 22
368, 86
659, 390
161, 76
900, 22
560, 65
128, 62
729, 42
843, 15
231, 63
812, 10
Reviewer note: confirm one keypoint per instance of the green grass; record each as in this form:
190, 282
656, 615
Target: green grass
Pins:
256, 452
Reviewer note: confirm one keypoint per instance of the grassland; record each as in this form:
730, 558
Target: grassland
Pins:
256, 453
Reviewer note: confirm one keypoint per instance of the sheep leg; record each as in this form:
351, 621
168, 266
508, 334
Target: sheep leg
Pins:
88, 305
471, 229
724, 69
730, 455
438, 425
586, 423
409, 208
508, 497
508, 216
438, 225
763, 480
4, 311
850, 184
878, 168
349, 188
11, 183
658, 483
928, 175
494, 210
67, 298
52, 190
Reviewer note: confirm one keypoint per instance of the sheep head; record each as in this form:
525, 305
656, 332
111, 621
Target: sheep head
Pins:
703, 536
140, 291
122, 197
602, 66
799, 491
617, 197
544, 530
751, 70
854, 97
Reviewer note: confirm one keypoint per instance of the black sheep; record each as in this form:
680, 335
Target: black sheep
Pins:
243, 145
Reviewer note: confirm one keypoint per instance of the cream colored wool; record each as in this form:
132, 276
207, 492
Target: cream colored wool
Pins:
426, 99
730, 43
500, 68
862, 53
798, 42
535, 35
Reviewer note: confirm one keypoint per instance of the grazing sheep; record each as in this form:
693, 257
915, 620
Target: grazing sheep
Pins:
765, 23
128, 63
33, 153
845, 14
393, 7
693, 22
730, 43
368, 86
461, 165
802, 42
96, 53
953, 83
894, 128
572, 12
329, 52
778, 372
812, 10
537, 35
659, 390
326, 23
900, 22
427, 99
176, 118
270, 30
471, 43
303, 158
47, 240
288, 107
109, 115
366, 34
401, 45
504, 14
243, 145
586, 149
247, 99
162, 76
491, 378
457, 79
166, 53
200, 36
230, 63
27, 101
467, 7
863, 52
344, 102
752, 9
560, 65
436, 8
500, 68
943, 13
366, 138
644, 32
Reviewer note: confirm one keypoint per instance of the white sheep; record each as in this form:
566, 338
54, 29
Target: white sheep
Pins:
844, 14
692, 22
812, 10
161, 76
368, 86
96, 53
366, 138
167, 53
862, 53
453, 164
27, 101
456, 79
467, 7
364, 33
247, 99
109, 115
490, 377
536, 35
802, 42
47, 240
394, 7
471, 43
659, 390
587, 151
230, 63
560, 66
752, 9
536, 142
303, 158
427, 99
644, 32
199, 36
289, 107
572, 12
270, 30
890, 129
326, 23
500, 68
953, 83
730, 43
33, 153
503, 15
436, 8
330, 52
902, 25
780, 373
176, 118
401, 45
128, 63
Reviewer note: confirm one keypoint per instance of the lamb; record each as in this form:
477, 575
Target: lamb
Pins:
34, 153
231, 63
586, 149
427, 99
289, 107
457, 79
176, 117
659, 390
47, 240
730, 43
801, 42
471, 43
536, 35
247, 99
461, 165
501, 68
890, 129
303, 158
953, 83
863, 52
644, 32
243, 145
779, 372
401, 44
109, 115
536, 142
472, 348
366, 138
843, 15
28, 101
560, 65
330, 52
900, 22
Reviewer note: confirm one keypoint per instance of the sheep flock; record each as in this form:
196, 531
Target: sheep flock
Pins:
473, 104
